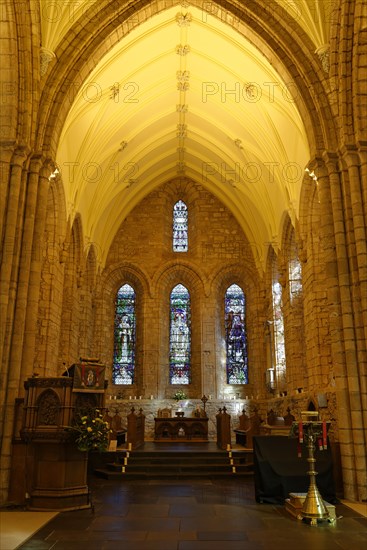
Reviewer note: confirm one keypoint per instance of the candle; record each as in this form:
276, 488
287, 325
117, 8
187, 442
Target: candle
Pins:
125, 461
134, 396
139, 396
151, 397
232, 461
114, 397
129, 446
230, 454
123, 469
127, 454
299, 449
234, 469
228, 447
324, 435
129, 396
300, 432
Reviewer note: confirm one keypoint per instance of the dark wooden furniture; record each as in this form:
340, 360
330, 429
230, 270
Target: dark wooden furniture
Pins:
247, 429
223, 429
279, 471
135, 428
49, 472
181, 429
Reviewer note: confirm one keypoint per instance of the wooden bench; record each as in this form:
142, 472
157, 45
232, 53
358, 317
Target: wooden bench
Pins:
248, 427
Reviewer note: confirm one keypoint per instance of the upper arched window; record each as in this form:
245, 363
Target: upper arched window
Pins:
294, 277
236, 341
180, 336
124, 342
278, 328
180, 227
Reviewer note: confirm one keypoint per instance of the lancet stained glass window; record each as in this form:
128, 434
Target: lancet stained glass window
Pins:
295, 278
124, 343
279, 342
180, 227
180, 336
236, 341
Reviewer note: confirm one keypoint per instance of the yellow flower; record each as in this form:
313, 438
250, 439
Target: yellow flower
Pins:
89, 429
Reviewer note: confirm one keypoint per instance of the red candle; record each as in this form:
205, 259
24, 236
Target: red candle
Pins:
300, 432
299, 450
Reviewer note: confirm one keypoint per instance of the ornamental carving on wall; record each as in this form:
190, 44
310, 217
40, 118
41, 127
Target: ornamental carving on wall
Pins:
48, 409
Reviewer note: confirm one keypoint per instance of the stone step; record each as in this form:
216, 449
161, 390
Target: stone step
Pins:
130, 475
162, 463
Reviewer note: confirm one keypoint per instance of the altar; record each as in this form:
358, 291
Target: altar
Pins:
181, 428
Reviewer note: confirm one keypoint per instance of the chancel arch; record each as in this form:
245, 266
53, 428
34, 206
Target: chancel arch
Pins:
180, 121
106, 319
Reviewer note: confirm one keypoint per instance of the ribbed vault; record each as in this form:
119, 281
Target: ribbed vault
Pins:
182, 94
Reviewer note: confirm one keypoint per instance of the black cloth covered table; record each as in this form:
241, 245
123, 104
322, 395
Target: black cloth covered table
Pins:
278, 470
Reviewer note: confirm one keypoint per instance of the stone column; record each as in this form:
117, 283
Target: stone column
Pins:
31, 314
14, 376
24, 274
352, 441
10, 258
355, 186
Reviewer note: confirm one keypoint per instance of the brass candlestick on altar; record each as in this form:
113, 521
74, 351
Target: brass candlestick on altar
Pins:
311, 430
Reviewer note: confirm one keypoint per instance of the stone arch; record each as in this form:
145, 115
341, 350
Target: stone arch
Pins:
173, 271
193, 280
245, 279
293, 306
291, 59
112, 279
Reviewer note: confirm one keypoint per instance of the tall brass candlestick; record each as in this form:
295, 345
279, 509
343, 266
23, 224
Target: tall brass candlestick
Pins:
313, 507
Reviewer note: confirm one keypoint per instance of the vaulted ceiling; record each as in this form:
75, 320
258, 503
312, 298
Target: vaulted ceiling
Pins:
183, 95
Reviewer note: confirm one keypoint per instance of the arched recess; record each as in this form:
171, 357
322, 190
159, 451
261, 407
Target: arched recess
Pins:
249, 284
293, 310
165, 282
110, 282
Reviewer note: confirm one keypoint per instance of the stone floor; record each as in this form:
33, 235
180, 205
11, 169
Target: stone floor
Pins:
203, 514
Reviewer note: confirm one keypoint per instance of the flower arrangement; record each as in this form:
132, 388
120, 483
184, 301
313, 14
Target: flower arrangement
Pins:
179, 395
91, 432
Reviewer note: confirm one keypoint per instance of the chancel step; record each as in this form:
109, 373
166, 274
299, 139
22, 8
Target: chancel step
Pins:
153, 463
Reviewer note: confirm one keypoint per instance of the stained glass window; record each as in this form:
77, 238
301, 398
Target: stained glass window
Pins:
279, 342
124, 342
180, 220
236, 341
180, 336
295, 278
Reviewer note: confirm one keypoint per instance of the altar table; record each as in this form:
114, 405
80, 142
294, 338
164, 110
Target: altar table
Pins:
181, 429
